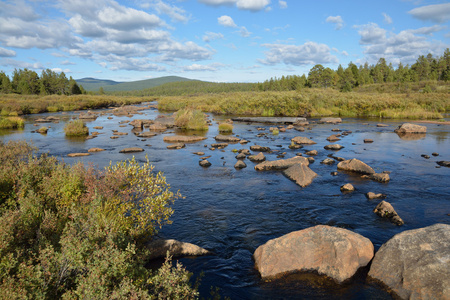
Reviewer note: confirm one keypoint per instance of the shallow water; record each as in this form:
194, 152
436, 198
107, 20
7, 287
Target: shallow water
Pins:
231, 212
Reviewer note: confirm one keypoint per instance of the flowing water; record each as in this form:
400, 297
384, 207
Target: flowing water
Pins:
232, 212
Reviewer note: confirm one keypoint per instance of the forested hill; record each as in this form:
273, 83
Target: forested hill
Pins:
92, 84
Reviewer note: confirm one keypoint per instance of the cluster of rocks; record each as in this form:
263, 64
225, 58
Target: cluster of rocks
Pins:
414, 264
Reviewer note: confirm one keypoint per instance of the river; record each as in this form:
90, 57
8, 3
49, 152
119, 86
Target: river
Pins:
231, 212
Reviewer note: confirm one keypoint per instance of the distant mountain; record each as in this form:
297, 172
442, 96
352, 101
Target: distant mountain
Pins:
93, 84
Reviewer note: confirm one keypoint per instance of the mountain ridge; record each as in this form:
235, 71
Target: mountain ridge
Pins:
94, 84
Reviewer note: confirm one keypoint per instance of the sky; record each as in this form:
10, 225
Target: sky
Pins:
215, 40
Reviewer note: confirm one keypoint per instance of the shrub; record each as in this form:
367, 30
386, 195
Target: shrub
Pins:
191, 119
76, 128
276, 131
225, 127
12, 122
76, 232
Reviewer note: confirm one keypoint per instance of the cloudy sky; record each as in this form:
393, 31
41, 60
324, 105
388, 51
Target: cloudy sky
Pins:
215, 40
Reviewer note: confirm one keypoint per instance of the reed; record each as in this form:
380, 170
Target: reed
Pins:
11, 123
225, 128
76, 128
191, 119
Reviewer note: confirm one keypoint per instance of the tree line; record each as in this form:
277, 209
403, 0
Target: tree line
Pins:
28, 82
345, 79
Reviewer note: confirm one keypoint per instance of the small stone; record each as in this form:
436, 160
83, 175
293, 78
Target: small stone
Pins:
435, 154
327, 161
334, 173
348, 187
240, 164
312, 153
368, 141
371, 196
425, 156
204, 163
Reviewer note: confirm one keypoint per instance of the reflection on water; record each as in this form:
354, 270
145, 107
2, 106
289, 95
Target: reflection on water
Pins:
232, 212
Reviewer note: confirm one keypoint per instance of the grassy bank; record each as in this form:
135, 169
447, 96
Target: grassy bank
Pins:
316, 102
13, 104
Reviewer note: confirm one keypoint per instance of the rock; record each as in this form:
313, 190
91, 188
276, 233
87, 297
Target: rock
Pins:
382, 125
244, 151
219, 145
88, 116
426, 156
330, 120
411, 128
333, 138
42, 121
158, 249
312, 153
331, 251
302, 140
335, 130
435, 154
281, 164
120, 133
176, 146
444, 163
301, 174
334, 173
227, 138
113, 137
385, 210
98, 127
96, 150
257, 158
204, 163
78, 154
371, 196
183, 139
380, 177
240, 164
348, 187
157, 126
241, 156
42, 130
333, 147
415, 264
327, 161
368, 141
137, 124
147, 134
299, 128
131, 150
259, 148
311, 159
355, 165
199, 153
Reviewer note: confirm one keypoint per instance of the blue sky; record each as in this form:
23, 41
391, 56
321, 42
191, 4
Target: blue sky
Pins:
215, 40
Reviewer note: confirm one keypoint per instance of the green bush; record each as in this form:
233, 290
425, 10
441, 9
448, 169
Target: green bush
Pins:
76, 128
225, 127
191, 119
78, 232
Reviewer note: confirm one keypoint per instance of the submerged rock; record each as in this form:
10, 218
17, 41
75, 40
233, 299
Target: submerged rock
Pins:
131, 150
227, 138
355, 165
334, 252
176, 146
147, 134
371, 195
301, 174
183, 139
385, 210
159, 249
96, 150
281, 164
415, 264
78, 154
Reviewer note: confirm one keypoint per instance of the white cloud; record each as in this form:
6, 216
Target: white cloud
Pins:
310, 53
197, 67
21, 64
59, 70
67, 63
7, 53
211, 36
244, 32
403, 47
124, 18
175, 13
282, 4
252, 5
371, 33
387, 18
438, 13
226, 21
337, 20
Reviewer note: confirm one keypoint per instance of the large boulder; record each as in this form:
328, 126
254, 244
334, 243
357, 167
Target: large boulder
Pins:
301, 174
331, 251
355, 165
411, 128
415, 264
302, 140
159, 249
281, 164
